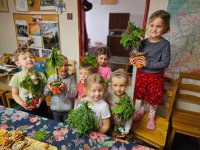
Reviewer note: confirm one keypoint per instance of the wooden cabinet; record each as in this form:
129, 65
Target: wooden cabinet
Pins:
118, 23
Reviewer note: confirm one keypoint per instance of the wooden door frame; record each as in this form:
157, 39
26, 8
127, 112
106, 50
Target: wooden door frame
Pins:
81, 21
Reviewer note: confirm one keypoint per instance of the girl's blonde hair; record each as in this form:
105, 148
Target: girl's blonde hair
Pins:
164, 15
94, 78
120, 73
21, 51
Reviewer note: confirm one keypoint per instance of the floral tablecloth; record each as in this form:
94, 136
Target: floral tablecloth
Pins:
57, 133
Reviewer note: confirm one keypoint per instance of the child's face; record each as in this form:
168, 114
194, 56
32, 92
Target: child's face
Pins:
63, 70
26, 61
102, 60
83, 74
95, 92
156, 28
119, 85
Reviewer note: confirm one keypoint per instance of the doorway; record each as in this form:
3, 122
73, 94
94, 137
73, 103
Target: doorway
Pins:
94, 26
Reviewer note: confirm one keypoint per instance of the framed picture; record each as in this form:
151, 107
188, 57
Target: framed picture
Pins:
3, 6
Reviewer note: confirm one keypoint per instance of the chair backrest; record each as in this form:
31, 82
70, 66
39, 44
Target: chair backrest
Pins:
189, 90
170, 89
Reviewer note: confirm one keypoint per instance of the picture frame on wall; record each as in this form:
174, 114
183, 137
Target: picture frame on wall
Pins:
4, 6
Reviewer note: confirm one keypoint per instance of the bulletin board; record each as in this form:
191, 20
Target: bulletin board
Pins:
36, 6
43, 29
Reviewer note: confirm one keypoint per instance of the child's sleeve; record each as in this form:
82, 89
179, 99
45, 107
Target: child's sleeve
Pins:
109, 73
105, 111
71, 88
14, 82
128, 125
47, 91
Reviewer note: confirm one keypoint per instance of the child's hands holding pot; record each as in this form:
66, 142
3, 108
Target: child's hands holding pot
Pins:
57, 89
138, 61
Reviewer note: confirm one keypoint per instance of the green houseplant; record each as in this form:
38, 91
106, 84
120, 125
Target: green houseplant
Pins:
123, 110
131, 40
53, 63
82, 119
34, 83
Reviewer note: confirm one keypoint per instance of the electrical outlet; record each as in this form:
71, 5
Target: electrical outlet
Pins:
69, 16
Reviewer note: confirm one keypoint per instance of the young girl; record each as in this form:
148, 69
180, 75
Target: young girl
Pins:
103, 55
62, 102
119, 82
25, 59
149, 79
94, 86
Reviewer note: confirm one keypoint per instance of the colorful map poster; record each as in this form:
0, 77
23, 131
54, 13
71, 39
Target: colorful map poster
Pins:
184, 36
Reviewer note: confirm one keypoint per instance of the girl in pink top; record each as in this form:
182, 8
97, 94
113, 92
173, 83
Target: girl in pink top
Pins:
103, 55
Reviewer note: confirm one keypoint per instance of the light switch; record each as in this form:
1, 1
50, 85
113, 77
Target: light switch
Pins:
69, 16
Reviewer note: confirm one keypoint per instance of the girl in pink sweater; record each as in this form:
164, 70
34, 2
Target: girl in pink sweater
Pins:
103, 54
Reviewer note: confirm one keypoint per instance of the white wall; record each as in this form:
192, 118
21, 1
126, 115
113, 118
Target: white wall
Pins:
97, 18
68, 30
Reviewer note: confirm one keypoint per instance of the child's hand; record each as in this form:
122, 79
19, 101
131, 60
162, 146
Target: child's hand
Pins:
143, 61
37, 105
62, 86
27, 106
49, 86
138, 62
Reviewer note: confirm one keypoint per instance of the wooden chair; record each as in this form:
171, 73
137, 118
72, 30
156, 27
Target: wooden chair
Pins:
3, 98
158, 136
9, 99
186, 121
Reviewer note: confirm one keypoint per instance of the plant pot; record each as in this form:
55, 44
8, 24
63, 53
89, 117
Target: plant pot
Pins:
137, 64
137, 56
117, 135
31, 103
57, 87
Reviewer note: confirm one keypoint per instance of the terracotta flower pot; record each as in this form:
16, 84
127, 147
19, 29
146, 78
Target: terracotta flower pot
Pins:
57, 87
137, 64
137, 56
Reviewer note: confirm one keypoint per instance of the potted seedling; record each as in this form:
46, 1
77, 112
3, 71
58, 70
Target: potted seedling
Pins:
82, 119
54, 62
123, 110
131, 40
34, 83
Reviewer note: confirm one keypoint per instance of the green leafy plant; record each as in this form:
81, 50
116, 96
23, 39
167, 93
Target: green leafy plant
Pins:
89, 60
33, 83
82, 119
124, 108
41, 135
131, 39
54, 62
